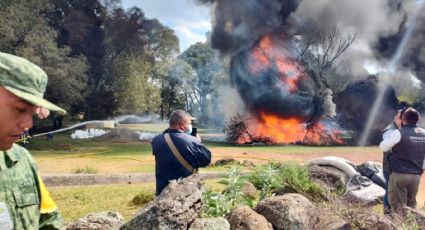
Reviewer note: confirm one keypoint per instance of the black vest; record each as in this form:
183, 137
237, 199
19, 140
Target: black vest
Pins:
408, 155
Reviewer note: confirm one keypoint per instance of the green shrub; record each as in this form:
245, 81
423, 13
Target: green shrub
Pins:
218, 204
266, 178
142, 199
289, 176
85, 170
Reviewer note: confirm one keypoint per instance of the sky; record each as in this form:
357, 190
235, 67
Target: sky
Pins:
190, 21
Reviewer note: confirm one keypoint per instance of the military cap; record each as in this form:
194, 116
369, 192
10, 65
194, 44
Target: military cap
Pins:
25, 80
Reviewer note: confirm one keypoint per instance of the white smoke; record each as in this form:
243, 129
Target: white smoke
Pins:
231, 102
369, 19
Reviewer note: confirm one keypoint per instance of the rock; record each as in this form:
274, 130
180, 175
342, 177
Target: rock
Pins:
249, 190
374, 221
176, 207
290, 211
418, 215
331, 176
226, 161
244, 218
247, 163
102, 221
218, 223
365, 218
284, 190
332, 222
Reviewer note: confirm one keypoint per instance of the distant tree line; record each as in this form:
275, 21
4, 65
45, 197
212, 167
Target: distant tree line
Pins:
103, 60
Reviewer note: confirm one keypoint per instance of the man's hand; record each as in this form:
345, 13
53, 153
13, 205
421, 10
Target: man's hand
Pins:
42, 113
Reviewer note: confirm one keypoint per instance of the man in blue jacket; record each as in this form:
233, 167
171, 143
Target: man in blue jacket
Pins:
180, 144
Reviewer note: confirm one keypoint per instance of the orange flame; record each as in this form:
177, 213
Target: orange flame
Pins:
292, 130
269, 55
281, 130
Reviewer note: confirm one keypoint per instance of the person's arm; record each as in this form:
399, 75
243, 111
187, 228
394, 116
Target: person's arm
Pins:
202, 156
195, 152
391, 138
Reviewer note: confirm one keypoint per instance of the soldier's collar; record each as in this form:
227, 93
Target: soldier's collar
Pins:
11, 156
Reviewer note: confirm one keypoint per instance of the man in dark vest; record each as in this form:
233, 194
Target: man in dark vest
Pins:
406, 161
178, 154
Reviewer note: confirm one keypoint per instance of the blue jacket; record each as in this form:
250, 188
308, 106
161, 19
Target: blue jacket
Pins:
167, 167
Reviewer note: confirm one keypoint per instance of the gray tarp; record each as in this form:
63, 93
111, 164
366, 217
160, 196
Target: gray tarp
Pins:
358, 187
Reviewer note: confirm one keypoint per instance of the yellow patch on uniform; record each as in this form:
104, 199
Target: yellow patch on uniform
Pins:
47, 203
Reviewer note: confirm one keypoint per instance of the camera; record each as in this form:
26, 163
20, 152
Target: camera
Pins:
194, 127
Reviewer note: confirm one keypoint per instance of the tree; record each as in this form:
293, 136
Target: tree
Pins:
209, 74
133, 91
80, 25
30, 36
176, 90
319, 49
137, 51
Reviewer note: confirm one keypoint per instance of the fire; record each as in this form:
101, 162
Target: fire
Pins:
292, 130
271, 63
281, 130
266, 55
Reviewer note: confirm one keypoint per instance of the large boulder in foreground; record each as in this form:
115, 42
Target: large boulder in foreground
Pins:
334, 178
419, 216
218, 223
244, 218
290, 211
98, 221
330, 221
176, 207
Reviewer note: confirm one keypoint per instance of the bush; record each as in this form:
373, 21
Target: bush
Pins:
142, 199
218, 204
289, 176
85, 170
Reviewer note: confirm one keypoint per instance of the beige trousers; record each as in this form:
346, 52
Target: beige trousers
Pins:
402, 190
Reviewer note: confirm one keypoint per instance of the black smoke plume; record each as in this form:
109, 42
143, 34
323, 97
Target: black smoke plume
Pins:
238, 27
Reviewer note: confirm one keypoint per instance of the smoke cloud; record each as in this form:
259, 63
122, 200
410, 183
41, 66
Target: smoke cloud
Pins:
240, 25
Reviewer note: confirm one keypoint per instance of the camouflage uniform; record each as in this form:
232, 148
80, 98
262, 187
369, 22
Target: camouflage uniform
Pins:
25, 202
23, 193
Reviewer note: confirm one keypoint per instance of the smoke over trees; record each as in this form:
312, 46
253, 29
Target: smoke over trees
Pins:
209, 75
104, 60
337, 42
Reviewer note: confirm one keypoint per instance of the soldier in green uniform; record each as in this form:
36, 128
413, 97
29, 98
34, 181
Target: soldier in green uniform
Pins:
25, 202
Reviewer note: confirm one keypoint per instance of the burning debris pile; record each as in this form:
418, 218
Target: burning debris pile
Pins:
280, 70
285, 100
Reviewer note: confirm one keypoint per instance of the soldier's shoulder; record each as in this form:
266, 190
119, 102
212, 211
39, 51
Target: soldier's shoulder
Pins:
21, 153
19, 149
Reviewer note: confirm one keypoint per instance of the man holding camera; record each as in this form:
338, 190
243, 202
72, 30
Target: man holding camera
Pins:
178, 151
406, 161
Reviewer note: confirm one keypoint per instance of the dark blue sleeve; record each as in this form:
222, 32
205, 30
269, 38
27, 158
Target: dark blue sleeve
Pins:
193, 151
